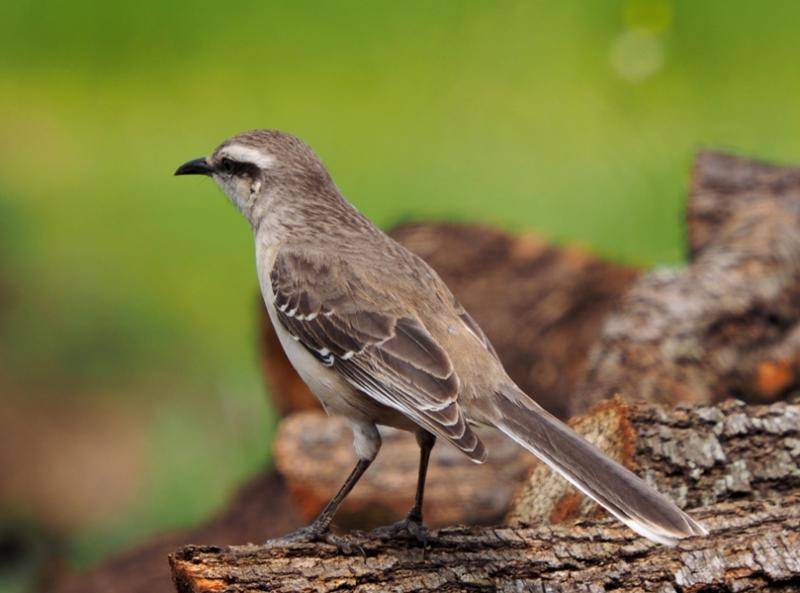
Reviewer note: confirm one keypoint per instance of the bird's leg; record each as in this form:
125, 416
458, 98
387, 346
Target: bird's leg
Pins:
412, 524
426, 442
319, 529
367, 443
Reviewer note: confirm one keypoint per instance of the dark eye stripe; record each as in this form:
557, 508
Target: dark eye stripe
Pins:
237, 168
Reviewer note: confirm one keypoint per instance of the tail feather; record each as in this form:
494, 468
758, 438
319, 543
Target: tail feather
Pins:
608, 483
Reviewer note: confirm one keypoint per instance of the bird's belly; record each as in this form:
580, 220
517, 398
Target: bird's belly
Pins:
330, 389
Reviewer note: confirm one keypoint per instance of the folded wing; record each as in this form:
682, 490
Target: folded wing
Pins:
384, 351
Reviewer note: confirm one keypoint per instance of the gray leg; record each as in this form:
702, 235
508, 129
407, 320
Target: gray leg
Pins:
426, 442
412, 524
367, 442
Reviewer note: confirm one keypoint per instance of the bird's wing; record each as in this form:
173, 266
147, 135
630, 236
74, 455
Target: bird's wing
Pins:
476, 330
363, 332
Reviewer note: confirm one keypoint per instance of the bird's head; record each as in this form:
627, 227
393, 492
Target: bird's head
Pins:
264, 169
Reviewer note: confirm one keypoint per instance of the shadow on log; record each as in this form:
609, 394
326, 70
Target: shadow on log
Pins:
754, 546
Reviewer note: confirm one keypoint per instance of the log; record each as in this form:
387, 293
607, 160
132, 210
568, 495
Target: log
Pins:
727, 324
315, 453
542, 306
754, 546
696, 455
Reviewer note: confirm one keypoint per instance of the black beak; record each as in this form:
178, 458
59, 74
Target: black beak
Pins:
196, 167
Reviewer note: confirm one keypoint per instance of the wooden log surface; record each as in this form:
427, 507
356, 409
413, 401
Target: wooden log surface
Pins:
753, 546
696, 455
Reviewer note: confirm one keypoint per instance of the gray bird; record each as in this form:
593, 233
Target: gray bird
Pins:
380, 339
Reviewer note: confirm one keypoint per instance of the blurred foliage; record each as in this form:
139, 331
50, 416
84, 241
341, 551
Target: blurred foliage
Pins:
577, 120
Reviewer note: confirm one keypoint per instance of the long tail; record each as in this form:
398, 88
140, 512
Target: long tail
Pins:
618, 490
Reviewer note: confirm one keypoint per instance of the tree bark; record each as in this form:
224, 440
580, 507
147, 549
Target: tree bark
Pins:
726, 325
698, 456
753, 546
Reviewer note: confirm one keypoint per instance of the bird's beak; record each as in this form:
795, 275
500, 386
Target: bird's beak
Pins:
196, 167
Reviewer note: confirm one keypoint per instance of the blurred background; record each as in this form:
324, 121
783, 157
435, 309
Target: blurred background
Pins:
131, 395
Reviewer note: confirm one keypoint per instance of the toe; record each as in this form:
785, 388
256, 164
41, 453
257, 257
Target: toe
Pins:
310, 533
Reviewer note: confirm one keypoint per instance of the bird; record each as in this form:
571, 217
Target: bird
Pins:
380, 340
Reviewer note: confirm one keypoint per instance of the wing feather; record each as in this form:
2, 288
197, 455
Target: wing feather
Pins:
384, 352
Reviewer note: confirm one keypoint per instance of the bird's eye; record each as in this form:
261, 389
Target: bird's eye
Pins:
226, 166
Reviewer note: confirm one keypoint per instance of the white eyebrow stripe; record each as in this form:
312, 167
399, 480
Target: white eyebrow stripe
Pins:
247, 154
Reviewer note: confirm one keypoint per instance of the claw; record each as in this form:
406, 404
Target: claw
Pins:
304, 535
408, 527
311, 534
343, 545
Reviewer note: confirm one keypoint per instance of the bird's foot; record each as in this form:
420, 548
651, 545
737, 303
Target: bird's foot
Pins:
304, 535
410, 527
316, 534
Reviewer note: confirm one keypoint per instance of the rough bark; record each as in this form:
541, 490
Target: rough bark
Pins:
726, 325
754, 546
314, 453
541, 306
698, 456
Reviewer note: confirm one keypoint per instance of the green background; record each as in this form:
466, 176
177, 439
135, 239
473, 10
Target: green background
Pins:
136, 290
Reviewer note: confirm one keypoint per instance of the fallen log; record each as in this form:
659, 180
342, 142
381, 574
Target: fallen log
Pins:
726, 325
698, 456
753, 546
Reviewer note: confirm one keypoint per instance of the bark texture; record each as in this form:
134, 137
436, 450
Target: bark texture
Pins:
726, 325
754, 546
698, 456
